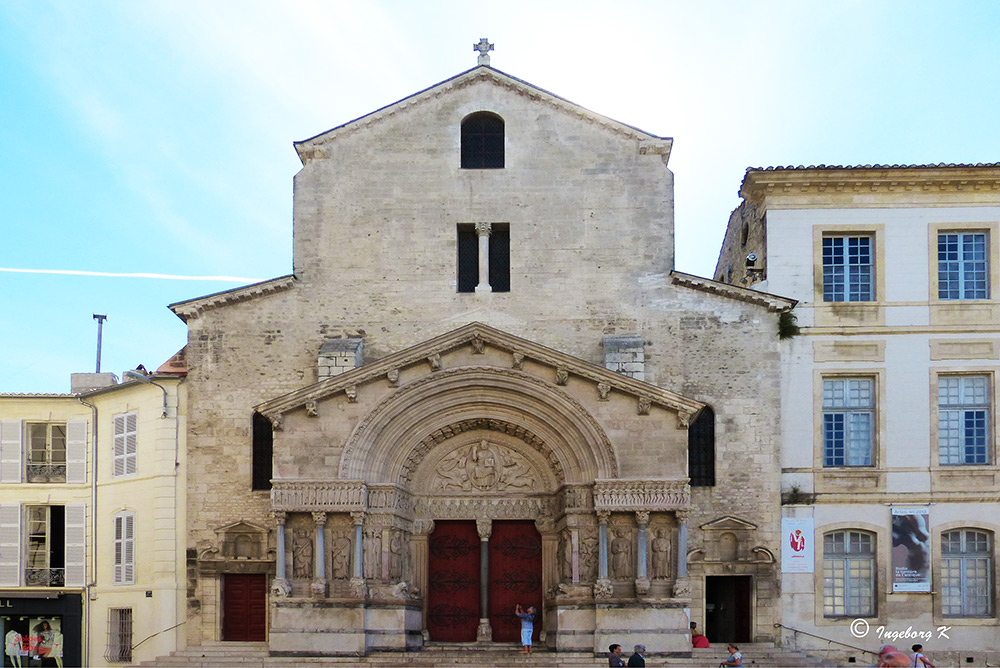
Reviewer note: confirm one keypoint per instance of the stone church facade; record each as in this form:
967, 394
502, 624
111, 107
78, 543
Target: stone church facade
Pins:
483, 384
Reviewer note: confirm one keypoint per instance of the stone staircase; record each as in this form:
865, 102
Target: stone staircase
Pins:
459, 655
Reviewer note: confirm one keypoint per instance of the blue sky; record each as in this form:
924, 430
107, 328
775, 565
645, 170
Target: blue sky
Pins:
157, 137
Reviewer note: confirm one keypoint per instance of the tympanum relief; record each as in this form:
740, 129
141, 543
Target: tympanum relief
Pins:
484, 466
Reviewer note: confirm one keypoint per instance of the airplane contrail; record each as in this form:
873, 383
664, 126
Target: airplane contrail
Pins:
169, 277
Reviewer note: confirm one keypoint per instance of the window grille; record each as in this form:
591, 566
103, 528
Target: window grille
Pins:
701, 449
963, 269
847, 269
119, 649
483, 141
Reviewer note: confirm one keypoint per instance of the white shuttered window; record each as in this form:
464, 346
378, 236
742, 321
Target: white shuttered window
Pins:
76, 544
76, 451
10, 451
125, 548
10, 544
125, 444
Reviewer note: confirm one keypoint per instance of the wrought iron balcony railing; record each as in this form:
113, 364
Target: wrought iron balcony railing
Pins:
45, 577
46, 473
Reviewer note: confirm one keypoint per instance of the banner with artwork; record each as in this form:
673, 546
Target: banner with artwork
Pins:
911, 550
797, 548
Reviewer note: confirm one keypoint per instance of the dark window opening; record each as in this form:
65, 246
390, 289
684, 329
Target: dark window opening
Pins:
483, 141
701, 449
262, 452
499, 257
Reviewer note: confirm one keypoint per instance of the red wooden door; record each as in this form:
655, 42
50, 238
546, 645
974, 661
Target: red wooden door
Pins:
244, 608
515, 577
453, 588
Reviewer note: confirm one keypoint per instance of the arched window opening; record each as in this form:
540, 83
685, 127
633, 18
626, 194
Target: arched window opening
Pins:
848, 574
966, 573
482, 141
701, 449
262, 450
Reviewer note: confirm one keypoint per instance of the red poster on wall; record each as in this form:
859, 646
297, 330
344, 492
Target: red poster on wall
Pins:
515, 577
453, 582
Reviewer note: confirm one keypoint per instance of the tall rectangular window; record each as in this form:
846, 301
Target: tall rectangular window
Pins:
46, 553
966, 574
46, 452
963, 420
848, 421
963, 269
119, 648
125, 443
848, 574
498, 271
847, 269
124, 550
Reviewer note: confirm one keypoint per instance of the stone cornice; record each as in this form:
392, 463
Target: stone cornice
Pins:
192, 308
979, 183
771, 302
477, 334
620, 495
314, 147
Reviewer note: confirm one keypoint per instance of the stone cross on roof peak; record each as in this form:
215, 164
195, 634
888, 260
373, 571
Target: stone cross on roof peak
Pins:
483, 47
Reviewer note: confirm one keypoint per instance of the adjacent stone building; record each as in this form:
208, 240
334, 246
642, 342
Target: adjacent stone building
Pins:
483, 383
889, 454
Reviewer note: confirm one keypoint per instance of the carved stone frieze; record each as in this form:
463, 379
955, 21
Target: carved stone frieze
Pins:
389, 498
634, 495
312, 495
578, 498
478, 507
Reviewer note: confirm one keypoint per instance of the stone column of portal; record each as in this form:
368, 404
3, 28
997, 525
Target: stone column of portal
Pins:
318, 587
641, 580
603, 588
682, 586
421, 531
357, 583
483, 231
280, 587
485, 527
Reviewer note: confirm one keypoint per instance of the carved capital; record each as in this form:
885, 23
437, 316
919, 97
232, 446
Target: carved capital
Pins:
485, 529
423, 527
280, 588
358, 518
603, 516
682, 515
484, 229
562, 375
312, 409
644, 405
276, 422
603, 588
279, 517
642, 517
683, 420
545, 525
393, 377
319, 518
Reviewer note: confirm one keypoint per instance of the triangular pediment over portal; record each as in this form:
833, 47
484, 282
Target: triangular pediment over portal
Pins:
728, 523
314, 147
473, 389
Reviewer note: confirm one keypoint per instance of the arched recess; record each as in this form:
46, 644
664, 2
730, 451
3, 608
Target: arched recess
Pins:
382, 446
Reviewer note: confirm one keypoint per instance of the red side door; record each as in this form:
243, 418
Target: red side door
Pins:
515, 577
244, 608
453, 581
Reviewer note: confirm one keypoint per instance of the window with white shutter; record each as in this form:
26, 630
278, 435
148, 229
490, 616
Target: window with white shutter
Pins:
76, 544
76, 451
124, 550
10, 451
125, 444
10, 544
